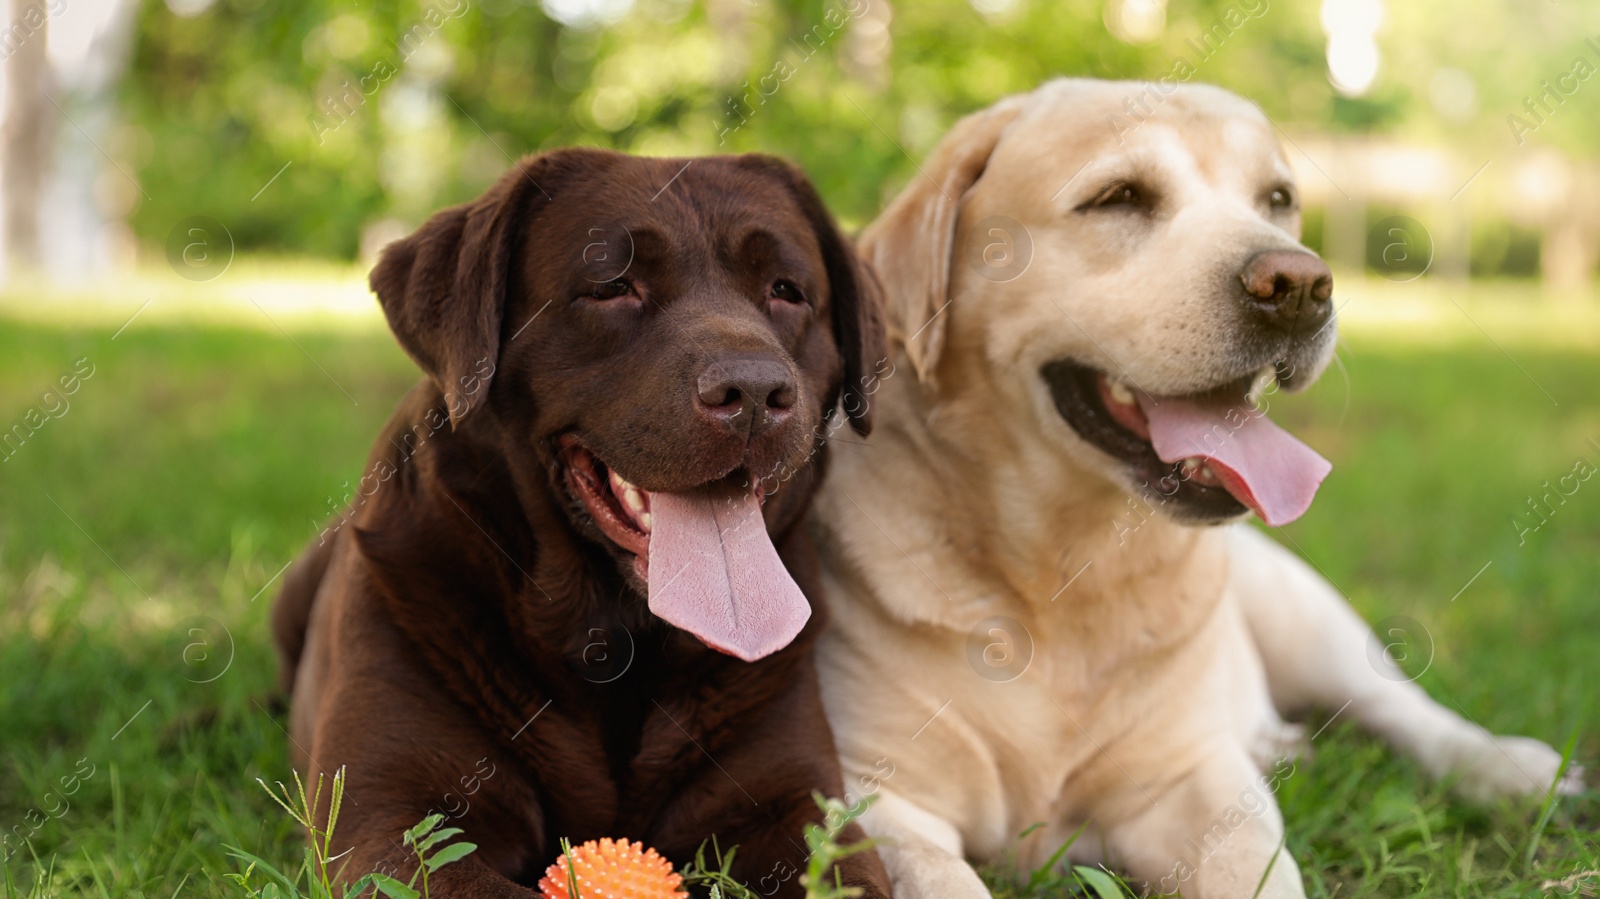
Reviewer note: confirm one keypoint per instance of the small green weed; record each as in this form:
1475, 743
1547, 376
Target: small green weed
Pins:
316, 869
823, 840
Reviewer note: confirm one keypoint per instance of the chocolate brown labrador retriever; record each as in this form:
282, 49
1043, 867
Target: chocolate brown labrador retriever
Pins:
567, 604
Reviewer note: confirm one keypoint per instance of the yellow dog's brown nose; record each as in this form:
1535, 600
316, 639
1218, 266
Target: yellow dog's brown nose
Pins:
1290, 289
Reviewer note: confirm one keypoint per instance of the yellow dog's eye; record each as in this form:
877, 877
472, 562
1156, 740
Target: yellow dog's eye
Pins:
1281, 198
1122, 195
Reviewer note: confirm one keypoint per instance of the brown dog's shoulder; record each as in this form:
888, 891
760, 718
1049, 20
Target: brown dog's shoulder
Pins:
291, 611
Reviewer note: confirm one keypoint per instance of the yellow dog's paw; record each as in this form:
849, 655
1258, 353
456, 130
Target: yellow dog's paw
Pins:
1516, 766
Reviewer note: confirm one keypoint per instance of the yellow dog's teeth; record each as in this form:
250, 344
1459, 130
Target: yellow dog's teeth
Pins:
1198, 469
1120, 392
1266, 377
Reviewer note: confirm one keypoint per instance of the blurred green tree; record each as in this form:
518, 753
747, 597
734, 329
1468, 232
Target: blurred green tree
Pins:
392, 108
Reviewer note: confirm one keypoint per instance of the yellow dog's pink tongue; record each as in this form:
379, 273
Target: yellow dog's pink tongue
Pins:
1261, 464
714, 573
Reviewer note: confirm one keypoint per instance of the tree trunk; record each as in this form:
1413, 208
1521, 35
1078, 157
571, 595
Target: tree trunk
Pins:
1571, 246
29, 125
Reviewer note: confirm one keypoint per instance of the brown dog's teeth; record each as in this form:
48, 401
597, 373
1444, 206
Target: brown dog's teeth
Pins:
632, 501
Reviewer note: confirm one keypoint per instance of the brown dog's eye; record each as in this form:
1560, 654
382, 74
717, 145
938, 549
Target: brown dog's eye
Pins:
786, 291
1281, 198
610, 290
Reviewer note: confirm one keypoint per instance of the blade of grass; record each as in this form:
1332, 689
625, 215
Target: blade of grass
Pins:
1099, 881
1262, 884
1551, 799
1037, 879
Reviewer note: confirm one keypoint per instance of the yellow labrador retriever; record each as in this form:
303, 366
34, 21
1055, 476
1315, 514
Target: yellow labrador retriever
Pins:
1096, 288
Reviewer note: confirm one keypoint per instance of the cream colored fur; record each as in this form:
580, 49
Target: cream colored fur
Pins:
1164, 657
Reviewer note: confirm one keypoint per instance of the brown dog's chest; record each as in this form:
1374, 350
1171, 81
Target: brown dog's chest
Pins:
618, 729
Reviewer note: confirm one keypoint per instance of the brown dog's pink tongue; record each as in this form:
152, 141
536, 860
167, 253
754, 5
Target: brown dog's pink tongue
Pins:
714, 573
1261, 464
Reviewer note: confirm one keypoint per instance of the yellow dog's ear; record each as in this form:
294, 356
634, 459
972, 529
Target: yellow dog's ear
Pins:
910, 245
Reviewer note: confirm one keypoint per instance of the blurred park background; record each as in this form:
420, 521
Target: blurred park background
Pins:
192, 369
322, 128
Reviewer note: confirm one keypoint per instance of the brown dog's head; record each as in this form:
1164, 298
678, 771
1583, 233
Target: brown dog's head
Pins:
668, 339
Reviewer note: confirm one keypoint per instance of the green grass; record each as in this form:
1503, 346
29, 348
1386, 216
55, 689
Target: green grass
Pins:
137, 530
322, 873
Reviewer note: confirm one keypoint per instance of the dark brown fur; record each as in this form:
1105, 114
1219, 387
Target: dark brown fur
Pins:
471, 643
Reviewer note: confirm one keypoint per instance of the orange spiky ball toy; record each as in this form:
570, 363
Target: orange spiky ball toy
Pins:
612, 869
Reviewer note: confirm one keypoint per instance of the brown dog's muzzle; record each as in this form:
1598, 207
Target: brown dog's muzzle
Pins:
745, 395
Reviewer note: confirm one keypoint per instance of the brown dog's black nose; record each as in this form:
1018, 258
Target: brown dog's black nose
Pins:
746, 394
1291, 289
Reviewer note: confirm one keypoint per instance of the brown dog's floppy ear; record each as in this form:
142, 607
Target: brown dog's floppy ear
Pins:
857, 299
910, 245
443, 288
